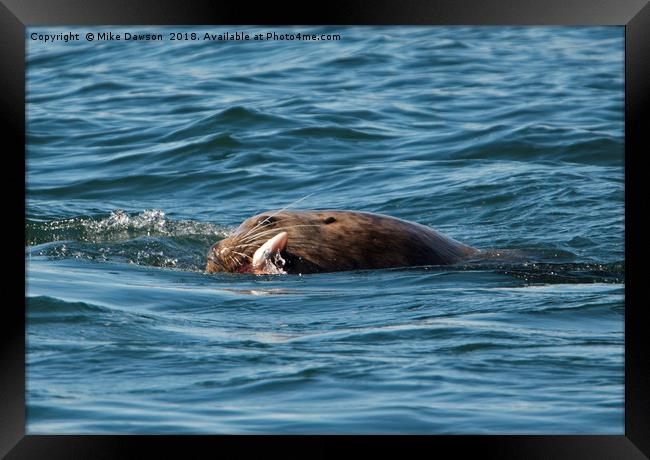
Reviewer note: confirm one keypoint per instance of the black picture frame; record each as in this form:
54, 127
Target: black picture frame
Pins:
16, 15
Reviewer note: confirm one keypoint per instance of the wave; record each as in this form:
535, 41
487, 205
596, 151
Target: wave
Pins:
556, 273
228, 117
335, 132
48, 310
46, 304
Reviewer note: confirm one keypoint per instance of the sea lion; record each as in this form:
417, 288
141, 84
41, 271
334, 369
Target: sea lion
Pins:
301, 242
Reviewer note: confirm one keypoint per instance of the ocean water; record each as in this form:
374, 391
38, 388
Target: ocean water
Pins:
142, 154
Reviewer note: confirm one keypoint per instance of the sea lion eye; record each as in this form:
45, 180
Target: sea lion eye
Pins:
329, 220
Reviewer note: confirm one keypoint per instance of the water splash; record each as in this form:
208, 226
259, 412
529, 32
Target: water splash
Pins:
121, 226
147, 238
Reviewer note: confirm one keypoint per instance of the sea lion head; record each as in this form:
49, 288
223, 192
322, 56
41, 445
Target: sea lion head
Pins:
300, 242
262, 244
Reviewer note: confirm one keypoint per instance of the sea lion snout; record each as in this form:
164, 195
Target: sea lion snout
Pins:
224, 256
214, 257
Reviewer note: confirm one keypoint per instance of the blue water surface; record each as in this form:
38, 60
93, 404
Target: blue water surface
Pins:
142, 154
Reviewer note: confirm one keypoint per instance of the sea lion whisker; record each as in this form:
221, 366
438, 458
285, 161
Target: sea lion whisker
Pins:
232, 261
268, 222
248, 238
235, 262
284, 209
262, 224
277, 229
319, 245
277, 212
242, 254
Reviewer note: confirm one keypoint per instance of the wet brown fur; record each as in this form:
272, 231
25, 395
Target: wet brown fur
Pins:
330, 241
